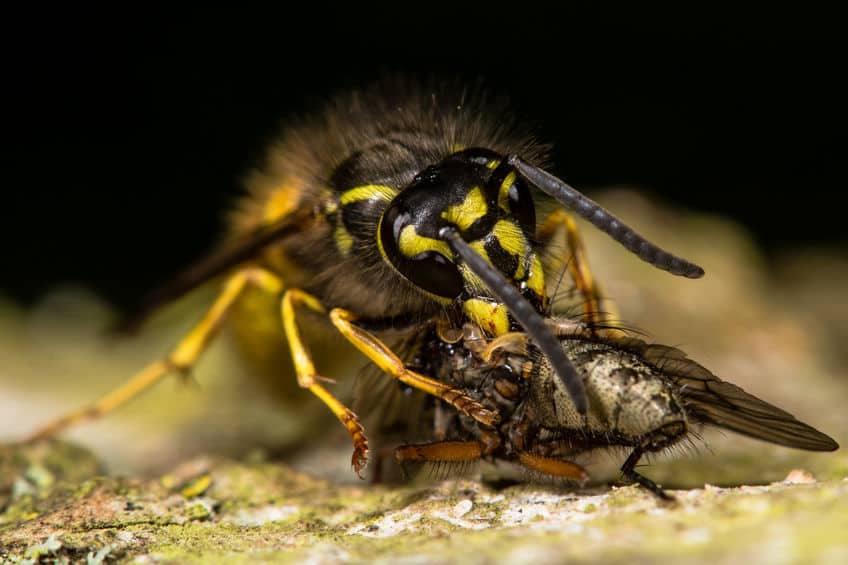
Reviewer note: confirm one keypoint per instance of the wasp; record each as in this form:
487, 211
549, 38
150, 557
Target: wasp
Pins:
397, 206
643, 397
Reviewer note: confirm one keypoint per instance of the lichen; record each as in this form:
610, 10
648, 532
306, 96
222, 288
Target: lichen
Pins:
197, 486
255, 511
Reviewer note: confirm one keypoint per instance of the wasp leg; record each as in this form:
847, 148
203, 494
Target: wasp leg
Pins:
307, 376
181, 358
578, 268
385, 359
629, 472
553, 467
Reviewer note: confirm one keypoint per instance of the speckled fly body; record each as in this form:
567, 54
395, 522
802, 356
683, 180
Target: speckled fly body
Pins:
643, 397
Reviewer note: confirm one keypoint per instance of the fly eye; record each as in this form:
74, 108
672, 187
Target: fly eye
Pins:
422, 260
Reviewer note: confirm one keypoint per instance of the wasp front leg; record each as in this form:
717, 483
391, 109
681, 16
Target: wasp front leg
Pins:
380, 354
597, 310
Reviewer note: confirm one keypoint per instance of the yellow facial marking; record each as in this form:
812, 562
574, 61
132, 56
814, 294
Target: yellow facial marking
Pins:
468, 211
479, 247
471, 279
503, 191
490, 316
282, 201
493, 164
536, 280
520, 270
457, 147
343, 240
367, 192
411, 244
510, 237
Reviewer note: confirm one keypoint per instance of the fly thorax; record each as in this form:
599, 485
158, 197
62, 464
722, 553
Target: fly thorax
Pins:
629, 399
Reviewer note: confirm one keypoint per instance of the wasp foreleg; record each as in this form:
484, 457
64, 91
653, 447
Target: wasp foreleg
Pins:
383, 357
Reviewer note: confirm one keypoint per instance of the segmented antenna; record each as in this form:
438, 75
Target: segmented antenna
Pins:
524, 313
591, 211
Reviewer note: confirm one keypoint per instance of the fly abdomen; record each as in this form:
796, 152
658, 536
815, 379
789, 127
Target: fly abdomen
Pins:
630, 403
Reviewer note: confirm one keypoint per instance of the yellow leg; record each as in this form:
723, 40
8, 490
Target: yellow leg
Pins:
578, 268
182, 358
384, 358
308, 377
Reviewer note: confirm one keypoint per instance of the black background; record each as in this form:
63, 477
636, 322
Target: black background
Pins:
127, 133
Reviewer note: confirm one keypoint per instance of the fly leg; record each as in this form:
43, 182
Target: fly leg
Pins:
628, 470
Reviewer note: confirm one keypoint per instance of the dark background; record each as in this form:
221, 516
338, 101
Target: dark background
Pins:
127, 134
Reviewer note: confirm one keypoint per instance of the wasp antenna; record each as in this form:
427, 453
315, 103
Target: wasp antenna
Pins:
524, 313
593, 212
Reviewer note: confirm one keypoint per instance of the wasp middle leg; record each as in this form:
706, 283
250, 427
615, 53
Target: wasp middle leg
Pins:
597, 310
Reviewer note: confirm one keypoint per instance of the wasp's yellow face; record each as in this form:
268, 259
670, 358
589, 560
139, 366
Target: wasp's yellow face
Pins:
475, 194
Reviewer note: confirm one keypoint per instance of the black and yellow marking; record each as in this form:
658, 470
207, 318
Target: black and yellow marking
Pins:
367, 192
343, 239
411, 244
503, 191
361, 206
471, 209
491, 316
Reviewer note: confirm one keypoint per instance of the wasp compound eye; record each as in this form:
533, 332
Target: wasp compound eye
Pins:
423, 260
450, 194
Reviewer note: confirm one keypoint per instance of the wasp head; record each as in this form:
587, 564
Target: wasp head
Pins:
475, 193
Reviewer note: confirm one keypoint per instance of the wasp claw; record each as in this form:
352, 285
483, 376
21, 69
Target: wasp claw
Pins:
359, 460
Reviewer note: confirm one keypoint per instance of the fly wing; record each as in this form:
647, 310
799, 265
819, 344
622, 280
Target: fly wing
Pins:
710, 400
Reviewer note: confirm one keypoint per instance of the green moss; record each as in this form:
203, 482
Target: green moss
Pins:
254, 511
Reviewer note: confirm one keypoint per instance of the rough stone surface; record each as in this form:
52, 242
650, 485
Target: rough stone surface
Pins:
183, 475
257, 511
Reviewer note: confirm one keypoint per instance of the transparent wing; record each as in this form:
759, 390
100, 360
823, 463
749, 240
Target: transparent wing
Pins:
710, 400
220, 261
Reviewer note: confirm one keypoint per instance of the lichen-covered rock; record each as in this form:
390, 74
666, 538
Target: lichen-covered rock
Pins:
181, 479
214, 509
